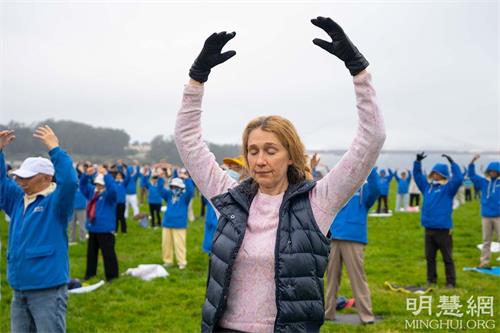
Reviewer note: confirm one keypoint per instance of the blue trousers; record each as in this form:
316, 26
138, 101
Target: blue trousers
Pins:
41, 310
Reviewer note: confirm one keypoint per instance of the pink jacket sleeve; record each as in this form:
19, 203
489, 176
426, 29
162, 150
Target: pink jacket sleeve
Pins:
336, 188
197, 158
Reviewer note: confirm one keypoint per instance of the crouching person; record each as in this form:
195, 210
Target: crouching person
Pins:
37, 254
101, 221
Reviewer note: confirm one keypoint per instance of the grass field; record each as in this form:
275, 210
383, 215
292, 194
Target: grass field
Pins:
394, 253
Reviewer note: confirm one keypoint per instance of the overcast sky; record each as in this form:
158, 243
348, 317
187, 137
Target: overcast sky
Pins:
123, 64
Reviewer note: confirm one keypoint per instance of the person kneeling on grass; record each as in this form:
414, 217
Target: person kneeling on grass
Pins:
37, 254
175, 220
101, 221
437, 208
490, 205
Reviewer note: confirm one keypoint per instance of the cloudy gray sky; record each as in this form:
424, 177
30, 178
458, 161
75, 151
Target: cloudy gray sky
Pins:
123, 64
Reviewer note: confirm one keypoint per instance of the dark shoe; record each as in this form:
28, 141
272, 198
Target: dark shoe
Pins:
431, 284
449, 286
371, 322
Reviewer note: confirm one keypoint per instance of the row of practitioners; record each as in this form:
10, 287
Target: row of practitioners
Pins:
102, 192
277, 217
126, 178
408, 192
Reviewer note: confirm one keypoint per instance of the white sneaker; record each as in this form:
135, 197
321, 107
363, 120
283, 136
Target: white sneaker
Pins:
167, 265
182, 267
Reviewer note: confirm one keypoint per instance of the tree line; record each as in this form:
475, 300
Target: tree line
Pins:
89, 142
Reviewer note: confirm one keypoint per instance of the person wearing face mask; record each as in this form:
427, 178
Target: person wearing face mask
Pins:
101, 221
37, 252
437, 208
270, 251
490, 205
349, 236
121, 199
175, 220
235, 166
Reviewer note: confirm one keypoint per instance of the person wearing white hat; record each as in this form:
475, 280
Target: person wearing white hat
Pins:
37, 255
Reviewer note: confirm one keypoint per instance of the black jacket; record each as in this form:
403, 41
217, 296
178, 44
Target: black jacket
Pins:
301, 256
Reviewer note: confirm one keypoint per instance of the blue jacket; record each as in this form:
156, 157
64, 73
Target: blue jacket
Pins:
437, 199
384, 182
176, 215
144, 178
121, 192
80, 200
490, 193
105, 211
350, 224
210, 227
131, 179
403, 184
37, 253
154, 196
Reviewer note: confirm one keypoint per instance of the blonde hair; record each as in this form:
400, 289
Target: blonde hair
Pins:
287, 134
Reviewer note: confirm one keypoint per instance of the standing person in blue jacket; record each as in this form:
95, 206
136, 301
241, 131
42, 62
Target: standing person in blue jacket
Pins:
384, 182
154, 200
121, 197
490, 205
37, 254
175, 220
133, 173
349, 236
403, 186
437, 208
143, 179
77, 223
101, 221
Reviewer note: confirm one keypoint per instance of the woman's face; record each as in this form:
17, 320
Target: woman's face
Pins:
268, 160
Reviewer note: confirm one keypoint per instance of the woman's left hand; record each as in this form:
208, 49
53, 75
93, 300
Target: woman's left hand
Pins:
340, 46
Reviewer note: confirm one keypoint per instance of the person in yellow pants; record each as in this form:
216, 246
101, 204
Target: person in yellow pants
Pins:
174, 224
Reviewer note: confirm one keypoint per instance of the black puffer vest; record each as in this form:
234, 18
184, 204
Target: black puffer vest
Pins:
301, 256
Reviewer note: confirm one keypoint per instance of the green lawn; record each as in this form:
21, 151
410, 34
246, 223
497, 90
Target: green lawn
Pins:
395, 253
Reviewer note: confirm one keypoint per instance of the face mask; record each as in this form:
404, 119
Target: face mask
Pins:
233, 174
439, 182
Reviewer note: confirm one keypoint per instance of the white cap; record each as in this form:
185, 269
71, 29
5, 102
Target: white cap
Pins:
33, 166
177, 182
99, 179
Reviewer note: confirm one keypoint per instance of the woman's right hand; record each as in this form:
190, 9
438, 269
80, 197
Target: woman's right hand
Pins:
211, 56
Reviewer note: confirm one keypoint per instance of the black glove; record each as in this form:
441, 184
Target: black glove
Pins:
341, 46
448, 158
210, 56
421, 156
